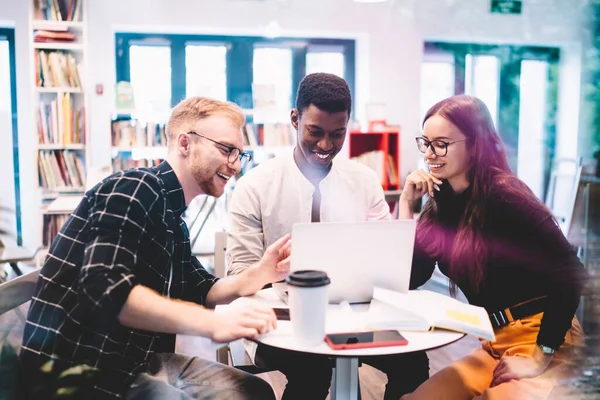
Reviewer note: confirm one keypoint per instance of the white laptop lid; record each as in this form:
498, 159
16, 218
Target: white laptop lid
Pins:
356, 255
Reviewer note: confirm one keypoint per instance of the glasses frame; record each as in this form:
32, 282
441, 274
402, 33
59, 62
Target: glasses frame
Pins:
429, 146
243, 156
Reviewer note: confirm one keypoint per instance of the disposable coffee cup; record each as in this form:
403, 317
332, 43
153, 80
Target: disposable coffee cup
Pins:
307, 298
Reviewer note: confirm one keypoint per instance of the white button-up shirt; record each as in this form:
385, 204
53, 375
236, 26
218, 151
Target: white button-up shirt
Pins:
270, 198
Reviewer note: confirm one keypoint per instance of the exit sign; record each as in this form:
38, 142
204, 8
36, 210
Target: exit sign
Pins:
506, 6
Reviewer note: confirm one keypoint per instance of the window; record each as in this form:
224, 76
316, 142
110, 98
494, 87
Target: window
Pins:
325, 61
151, 81
519, 85
206, 71
272, 84
165, 68
532, 117
482, 80
437, 82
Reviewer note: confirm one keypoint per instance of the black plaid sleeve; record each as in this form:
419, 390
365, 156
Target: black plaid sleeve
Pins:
199, 283
119, 218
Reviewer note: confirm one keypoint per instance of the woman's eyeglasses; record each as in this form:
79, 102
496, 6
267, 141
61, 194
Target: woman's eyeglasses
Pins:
234, 152
438, 147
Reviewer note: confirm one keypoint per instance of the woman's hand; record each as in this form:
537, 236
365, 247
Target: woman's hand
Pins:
519, 367
417, 184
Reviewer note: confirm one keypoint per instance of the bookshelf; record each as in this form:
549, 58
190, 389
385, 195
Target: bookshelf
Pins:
136, 143
380, 152
58, 42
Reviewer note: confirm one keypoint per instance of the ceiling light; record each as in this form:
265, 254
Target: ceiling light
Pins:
370, 1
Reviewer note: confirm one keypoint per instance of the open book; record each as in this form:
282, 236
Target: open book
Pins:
423, 310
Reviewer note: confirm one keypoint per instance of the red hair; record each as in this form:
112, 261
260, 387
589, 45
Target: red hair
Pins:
488, 170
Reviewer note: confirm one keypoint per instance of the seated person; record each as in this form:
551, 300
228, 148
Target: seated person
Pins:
303, 186
503, 248
120, 279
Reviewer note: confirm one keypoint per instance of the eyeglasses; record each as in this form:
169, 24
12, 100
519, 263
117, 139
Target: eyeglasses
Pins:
233, 153
439, 147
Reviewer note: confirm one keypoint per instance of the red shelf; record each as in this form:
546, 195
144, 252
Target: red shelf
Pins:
386, 166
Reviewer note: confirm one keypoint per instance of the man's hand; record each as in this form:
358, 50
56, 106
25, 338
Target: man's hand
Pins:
274, 266
247, 319
518, 367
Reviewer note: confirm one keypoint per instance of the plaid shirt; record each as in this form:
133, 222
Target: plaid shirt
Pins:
127, 230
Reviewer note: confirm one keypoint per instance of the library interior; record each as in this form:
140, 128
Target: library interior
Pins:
88, 89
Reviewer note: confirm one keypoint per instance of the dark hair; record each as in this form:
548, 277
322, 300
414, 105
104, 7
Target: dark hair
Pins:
488, 170
327, 92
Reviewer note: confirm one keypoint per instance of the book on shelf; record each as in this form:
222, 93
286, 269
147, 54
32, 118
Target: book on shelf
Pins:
381, 163
59, 170
423, 310
52, 36
52, 224
120, 163
56, 69
130, 133
60, 122
269, 135
57, 10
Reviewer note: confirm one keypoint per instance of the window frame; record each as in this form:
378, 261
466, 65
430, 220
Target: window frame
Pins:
8, 34
239, 59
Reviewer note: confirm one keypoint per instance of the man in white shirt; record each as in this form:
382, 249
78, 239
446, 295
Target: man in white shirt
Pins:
306, 185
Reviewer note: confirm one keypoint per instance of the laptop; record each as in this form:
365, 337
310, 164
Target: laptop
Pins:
356, 256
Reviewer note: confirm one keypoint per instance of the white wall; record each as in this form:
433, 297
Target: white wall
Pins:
548, 22
389, 46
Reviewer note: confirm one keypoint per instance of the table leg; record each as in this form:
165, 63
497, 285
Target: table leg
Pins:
345, 385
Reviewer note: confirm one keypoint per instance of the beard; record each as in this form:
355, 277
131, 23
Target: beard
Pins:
206, 177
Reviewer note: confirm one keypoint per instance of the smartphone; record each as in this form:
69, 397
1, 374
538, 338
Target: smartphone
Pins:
282, 314
362, 340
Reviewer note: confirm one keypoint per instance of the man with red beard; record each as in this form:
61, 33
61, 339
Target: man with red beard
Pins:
120, 279
311, 185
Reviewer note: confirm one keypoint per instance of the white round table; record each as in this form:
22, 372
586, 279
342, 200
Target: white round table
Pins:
342, 319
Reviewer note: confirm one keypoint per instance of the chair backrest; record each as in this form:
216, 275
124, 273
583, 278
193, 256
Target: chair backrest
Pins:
220, 249
18, 291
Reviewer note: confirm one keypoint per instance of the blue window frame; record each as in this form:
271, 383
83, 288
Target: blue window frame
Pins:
239, 59
8, 34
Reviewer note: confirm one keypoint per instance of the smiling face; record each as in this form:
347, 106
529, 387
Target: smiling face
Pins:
208, 161
455, 165
321, 136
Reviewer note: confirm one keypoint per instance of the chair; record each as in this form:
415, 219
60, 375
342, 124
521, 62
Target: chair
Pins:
17, 291
234, 353
14, 296
562, 189
12, 255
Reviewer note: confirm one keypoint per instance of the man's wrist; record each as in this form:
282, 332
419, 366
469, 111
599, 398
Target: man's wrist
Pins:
252, 280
